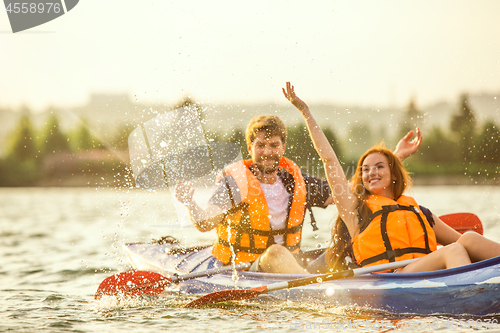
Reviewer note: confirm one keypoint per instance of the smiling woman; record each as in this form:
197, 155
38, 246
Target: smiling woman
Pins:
376, 174
380, 224
381, 173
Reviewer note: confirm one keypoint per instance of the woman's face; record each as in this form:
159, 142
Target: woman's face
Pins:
376, 175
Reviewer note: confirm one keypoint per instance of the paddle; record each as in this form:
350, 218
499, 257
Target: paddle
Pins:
242, 294
463, 222
136, 283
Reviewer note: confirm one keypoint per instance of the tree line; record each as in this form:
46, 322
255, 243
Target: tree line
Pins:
34, 154
466, 148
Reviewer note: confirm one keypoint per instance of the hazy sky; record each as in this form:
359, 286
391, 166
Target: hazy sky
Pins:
359, 52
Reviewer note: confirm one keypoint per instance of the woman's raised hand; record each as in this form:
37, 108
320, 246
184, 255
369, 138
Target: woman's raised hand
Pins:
407, 147
290, 95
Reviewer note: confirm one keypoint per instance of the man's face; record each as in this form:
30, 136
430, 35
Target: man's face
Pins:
266, 153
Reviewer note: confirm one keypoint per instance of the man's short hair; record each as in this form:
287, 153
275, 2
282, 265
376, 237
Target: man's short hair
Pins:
271, 125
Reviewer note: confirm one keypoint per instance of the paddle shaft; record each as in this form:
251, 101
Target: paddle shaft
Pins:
242, 294
177, 278
338, 275
144, 282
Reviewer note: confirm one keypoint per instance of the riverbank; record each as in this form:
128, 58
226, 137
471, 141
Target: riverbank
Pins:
441, 180
114, 181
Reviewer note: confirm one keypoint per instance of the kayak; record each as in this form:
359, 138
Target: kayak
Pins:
468, 290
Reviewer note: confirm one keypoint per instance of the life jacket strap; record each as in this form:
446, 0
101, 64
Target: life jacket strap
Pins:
245, 225
313, 219
239, 248
393, 254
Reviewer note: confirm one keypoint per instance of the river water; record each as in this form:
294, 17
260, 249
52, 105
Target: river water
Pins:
58, 244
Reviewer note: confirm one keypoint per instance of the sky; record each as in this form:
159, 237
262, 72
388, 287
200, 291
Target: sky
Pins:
379, 53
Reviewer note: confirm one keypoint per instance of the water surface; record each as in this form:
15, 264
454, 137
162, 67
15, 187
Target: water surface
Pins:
58, 244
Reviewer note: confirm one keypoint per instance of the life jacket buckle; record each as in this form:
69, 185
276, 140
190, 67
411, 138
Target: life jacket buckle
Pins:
391, 255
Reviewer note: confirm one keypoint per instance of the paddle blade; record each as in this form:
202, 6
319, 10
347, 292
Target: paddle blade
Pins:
226, 295
463, 222
132, 283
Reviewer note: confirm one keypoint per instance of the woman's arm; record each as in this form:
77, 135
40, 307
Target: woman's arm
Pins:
444, 233
343, 197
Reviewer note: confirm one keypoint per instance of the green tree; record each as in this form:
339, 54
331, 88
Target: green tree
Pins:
20, 167
55, 141
412, 118
299, 146
359, 139
83, 138
23, 147
120, 139
238, 137
463, 125
488, 144
438, 147
300, 149
334, 142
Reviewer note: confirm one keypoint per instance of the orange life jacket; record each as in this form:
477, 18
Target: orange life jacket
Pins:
248, 222
398, 230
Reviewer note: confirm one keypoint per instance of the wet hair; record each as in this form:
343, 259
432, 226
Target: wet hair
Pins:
271, 125
341, 240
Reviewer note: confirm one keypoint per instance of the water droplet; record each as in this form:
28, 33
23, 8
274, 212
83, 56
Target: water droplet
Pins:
319, 280
329, 291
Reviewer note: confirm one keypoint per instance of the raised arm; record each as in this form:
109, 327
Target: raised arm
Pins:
342, 195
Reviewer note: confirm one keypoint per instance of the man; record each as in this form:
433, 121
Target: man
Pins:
258, 206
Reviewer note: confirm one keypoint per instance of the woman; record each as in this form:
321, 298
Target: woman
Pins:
372, 234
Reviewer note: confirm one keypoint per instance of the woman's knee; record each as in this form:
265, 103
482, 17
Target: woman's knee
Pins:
276, 250
457, 249
275, 260
469, 238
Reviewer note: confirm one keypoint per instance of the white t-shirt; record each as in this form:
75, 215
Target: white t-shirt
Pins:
277, 203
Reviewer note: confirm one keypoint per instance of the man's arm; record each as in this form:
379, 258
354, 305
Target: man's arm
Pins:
318, 191
203, 219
